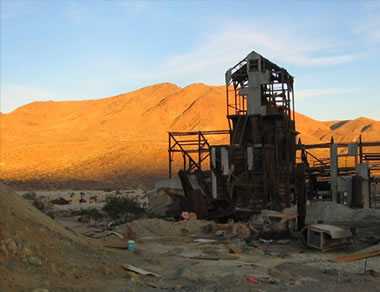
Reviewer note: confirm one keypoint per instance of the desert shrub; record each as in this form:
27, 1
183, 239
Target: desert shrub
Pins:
88, 214
39, 205
123, 209
42, 207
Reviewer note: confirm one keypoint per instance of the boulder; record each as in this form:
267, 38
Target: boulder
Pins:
159, 202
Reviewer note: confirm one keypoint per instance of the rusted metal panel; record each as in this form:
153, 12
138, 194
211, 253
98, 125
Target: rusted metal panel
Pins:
325, 237
194, 202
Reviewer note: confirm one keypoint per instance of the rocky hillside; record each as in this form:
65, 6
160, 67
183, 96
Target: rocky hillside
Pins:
121, 141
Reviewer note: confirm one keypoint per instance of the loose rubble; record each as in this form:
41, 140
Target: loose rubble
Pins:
188, 254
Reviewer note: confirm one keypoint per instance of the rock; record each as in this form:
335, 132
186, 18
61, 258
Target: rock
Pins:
237, 230
329, 270
274, 281
53, 269
4, 249
11, 245
35, 261
10, 266
237, 250
257, 251
219, 232
27, 252
92, 222
159, 202
209, 228
76, 273
237, 243
308, 279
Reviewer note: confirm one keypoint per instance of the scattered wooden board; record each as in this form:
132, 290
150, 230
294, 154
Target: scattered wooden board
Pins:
138, 270
364, 253
117, 234
116, 245
212, 257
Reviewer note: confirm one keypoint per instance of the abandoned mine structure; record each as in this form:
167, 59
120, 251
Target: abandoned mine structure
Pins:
260, 165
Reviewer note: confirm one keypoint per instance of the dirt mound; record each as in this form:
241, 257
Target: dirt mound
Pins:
146, 228
36, 252
121, 141
328, 212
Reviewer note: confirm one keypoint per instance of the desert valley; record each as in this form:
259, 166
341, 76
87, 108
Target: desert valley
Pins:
121, 142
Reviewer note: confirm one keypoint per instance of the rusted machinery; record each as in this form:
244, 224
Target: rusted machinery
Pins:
345, 176
260, 98
255, 170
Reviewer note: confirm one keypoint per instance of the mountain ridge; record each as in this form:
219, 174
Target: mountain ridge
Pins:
123, 138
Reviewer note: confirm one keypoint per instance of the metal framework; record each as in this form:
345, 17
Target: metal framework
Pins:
277, 92
258, 168
260, 111
322, 174
193, 146
255, 170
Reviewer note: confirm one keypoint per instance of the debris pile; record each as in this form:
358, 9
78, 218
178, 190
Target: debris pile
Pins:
38, 253
329, 212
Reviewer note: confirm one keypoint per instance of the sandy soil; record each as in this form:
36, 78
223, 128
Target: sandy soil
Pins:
36, 252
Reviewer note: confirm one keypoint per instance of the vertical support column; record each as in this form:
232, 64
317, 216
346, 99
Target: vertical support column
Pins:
224, 160
301, 194
334, 171
199, 151
170, 156
360, 149
363, 171
214, 184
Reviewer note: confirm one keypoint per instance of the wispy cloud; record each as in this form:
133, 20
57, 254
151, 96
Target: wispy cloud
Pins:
368, 24
370, 28
285, 47
221, 50
310, 93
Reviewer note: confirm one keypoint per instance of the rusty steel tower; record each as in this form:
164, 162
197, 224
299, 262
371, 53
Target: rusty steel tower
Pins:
256, 170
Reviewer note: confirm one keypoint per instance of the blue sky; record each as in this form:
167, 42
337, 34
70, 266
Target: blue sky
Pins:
74, 50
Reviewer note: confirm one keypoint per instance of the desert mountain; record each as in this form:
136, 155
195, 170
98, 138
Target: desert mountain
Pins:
122, 140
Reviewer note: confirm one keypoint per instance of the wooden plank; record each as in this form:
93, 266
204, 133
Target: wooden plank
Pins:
138, 270
116, 245
364, 253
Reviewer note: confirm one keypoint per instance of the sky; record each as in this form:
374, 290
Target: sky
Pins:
75, 50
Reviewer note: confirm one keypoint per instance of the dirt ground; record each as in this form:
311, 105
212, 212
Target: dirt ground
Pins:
38, 253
